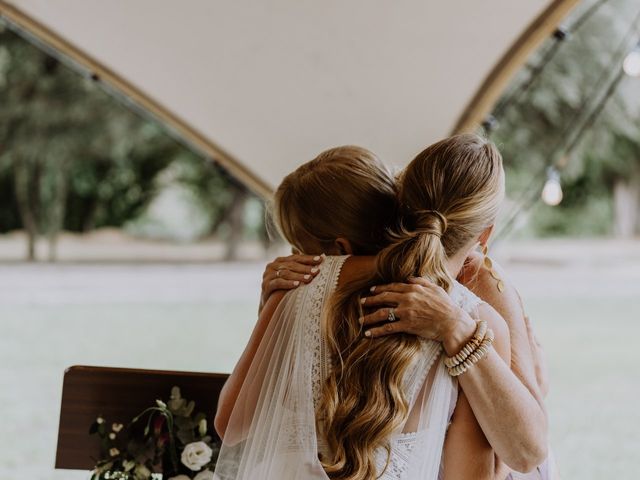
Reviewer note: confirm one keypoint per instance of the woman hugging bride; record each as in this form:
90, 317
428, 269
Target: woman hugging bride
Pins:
372, 357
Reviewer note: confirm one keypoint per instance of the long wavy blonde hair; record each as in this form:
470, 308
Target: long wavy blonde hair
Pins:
446, 196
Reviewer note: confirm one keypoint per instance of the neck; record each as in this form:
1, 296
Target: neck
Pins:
455, 263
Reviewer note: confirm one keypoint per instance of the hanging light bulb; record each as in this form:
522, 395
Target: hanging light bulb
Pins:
552, 191
631, 64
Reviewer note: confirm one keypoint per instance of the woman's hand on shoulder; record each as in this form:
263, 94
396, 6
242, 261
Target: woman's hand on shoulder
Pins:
425, 309
287, 273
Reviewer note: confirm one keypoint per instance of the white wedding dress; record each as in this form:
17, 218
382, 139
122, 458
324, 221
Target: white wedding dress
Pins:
272, 434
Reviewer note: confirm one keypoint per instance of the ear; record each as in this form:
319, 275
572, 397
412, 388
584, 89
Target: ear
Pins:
344, 246
485, 235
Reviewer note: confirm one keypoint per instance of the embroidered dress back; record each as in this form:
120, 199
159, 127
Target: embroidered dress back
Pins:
272, 430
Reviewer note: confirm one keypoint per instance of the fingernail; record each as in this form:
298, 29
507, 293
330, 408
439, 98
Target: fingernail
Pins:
323, 255
361, 320
307, 277
373, 289
363, 300
316, 258
296, 283
314, 269
367, 333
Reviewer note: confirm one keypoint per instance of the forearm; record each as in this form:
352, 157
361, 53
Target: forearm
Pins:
513, 421
510, 417
233, 385
467, 453
538, 360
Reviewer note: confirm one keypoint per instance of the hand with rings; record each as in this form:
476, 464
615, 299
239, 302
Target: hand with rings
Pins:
418, 307
287, 273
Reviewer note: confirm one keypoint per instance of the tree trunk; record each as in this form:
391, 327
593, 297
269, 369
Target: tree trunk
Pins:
57, 210
89, 220
626, 201
26, 189
236, 223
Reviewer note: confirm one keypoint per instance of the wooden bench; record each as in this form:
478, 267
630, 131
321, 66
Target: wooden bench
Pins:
118, 395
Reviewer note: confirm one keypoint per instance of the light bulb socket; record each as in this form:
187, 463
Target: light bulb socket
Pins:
490, 123
561, 33
553, 174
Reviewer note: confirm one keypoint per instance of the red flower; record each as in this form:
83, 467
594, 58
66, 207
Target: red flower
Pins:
158, 423
163, 440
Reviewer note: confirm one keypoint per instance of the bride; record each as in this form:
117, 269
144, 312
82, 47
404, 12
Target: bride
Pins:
314, 396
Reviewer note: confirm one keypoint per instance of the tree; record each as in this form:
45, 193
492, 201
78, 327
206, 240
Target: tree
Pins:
538, 126
71, 157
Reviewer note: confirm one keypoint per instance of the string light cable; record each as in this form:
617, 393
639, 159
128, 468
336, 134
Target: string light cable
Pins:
567, 141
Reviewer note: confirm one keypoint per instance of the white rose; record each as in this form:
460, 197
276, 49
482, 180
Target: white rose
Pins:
180, 477
204, 475
196, 455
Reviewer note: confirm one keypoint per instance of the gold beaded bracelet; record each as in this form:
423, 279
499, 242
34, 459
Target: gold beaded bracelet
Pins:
469, 348
475, 357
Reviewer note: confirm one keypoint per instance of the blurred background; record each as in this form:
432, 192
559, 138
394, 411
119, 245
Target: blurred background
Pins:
121, 245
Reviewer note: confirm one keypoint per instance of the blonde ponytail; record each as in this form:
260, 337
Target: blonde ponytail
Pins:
448, 194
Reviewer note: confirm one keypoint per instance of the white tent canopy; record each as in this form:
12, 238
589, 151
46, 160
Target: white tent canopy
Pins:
265, 85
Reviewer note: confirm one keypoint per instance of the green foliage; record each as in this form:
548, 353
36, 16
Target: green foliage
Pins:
82, 152
74, 158
592, 218
537, 127
214, 189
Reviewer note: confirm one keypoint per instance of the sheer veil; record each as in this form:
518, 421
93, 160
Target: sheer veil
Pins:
272, 430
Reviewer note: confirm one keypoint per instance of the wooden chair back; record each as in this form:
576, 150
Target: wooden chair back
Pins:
118, 395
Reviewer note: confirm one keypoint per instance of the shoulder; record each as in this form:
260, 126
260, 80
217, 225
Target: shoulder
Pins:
479, 307
331, 269
464, 297
482, 283
498, 325
356, 268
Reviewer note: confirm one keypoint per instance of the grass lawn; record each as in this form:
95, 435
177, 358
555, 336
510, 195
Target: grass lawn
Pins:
199, 317
591, 347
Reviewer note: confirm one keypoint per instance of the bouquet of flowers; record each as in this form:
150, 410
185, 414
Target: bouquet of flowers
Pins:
167, 440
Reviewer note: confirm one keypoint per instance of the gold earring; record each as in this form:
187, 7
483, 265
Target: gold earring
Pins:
488, 264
